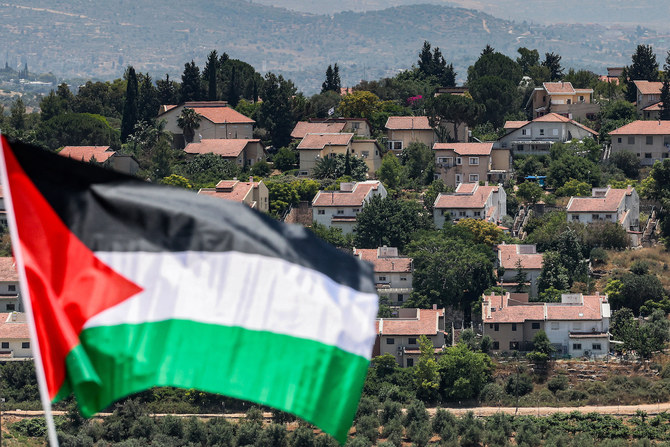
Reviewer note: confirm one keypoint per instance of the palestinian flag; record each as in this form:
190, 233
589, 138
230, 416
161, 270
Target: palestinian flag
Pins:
134, 285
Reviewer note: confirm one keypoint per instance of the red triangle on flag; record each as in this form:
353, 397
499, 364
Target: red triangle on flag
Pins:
67, 283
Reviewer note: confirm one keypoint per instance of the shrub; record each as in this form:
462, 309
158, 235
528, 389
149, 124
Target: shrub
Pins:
519, 385
415, 412
558, 382
368, 426
492, 393
599, 256
390, 410
419, 432
441, 419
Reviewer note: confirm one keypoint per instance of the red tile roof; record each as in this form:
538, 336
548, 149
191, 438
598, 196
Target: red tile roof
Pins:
556, 118
504, 313
10, 330
228, 148
408, 123
649, 88
222, 115
8, 269
590, 310
654, 107
509, 256
426, 324
465, 148
321, 140
508, 311
554, 88
655, 127
85, 153
515, 124
302, 128
346, 198
608, 204
384, 264
230, 190
458, 201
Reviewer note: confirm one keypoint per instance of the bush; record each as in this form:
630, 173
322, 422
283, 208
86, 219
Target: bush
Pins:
419, 432
558, 382
390, 410
415, 412
393, 431
441, 419
492, 393
598, 256
368, 426
519, 385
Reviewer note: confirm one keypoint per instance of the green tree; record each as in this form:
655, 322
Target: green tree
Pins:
391, 172
285, 159
482, 232
332, 82
209, 73
167, 91
176, 180
190, 83
542, 348
530, 192
335, 166
628, 162
554, 273
276, 112
426, 376
463, 373
498, 95
431, 193
665, 100
389, 222
77, 129
451, 109
644, 68
50, 106
553, 63
417, 157
206, 170
188, 121
574, 188
17, 115
527, 59
521, 278
147, 99
636, 290
260, 169
359, 104
282, 195
571, 166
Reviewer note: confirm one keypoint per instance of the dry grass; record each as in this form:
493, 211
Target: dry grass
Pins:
657, 257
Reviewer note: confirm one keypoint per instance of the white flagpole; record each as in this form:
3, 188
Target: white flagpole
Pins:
25, 293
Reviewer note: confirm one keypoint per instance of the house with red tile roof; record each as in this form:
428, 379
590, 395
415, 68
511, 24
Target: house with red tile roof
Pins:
339, 209
393, 273
104, 155
360, 127
562, 98
253, 194
14, 337
537, 136
577, 326
649, 140
243, 152
470, 200
218, 121
648, 93
302, 128
457, 163
10, 291
315, 146
403, 130
512, 257
608, 204
400, 336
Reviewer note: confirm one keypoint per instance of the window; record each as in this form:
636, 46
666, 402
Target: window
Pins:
11, 307
665, 155
555, 132
474, 178
395, 145
576, 326
5, 345
410, 363
25, 345
575, 217
496, 327
321, 212
618, 140
403, 278
581, 99
340, 211
496, 345
491, 326
569, 101
525, 132
596, 347
647, 155
461, 214
303, 172
514, 327
365, 154
555, 325
631, 140
382, 278
649, 139
514, 346
390, 341
474, 160
595, 217
459, 161
519, 147
577, 346
478, 214
356, 210
608, 216
541, 131
411, 341
458, 178
401, 297
535, 325
11, 287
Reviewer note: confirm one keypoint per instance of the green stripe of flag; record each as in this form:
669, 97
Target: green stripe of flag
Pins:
318, 382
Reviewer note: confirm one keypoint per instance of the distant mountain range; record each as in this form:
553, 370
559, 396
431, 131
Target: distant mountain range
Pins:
84, 38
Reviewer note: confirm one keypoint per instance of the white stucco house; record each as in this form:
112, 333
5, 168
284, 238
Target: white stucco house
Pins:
339, 209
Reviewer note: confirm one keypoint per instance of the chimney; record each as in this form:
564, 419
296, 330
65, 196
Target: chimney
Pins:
251, 179
434, 306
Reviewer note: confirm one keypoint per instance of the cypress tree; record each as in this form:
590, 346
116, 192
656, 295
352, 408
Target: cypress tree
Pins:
328, 84
233, 90
337, 82
129, 118
665, 100
210, 71
190, 83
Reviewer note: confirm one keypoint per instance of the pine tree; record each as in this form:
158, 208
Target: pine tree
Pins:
129, 118
553, 63
233, 90
167, 91
665, 100
425, 59
210, 73
337, 82
147, 101
328, 83
521, 279
488, 49
643, 68
190, 83
347, 164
